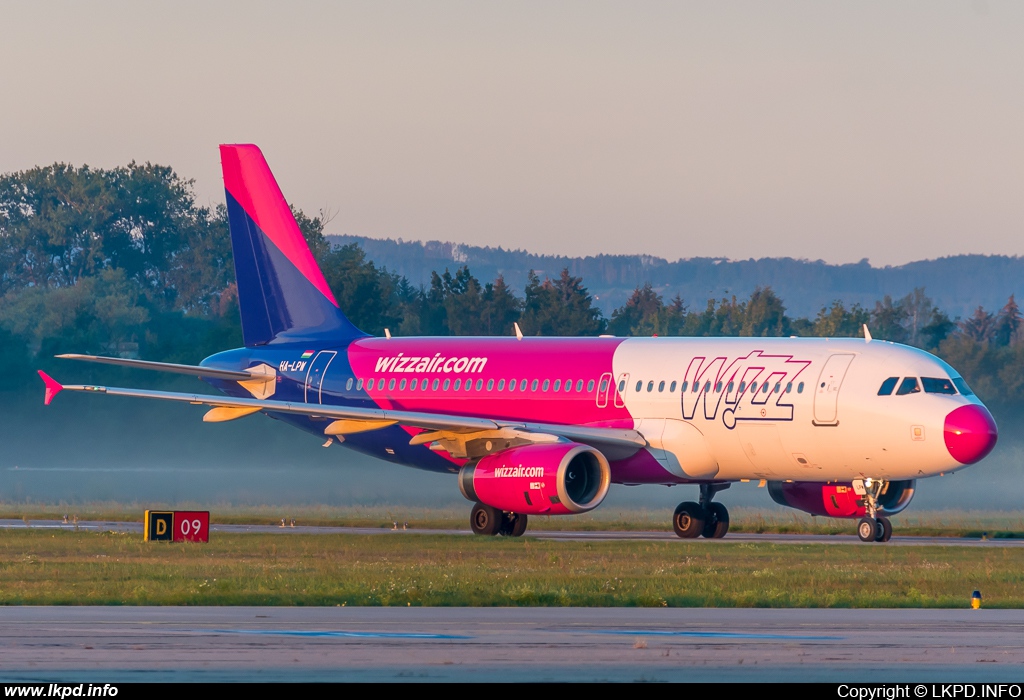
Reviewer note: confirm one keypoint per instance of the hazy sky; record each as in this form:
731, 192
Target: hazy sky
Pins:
887, 130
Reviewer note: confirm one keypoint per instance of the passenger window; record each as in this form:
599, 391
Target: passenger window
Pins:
639, 385
753, 387
391, 385
568, 385
672, 387
501, 385
437, 383
413, 384
348, 384
511, 384
401, 385
718, 388
458, 384
800, 388
590, 386
533, 385
683, 387
359, 385
447, 384
546, 385
558, 385
961, 385
887, 386
604, 385
935, 385
789, 387
778, 388
707, 387
469, 384
522, 384
743, 387
661, 386
764, 388
579, 385
732, 385
650, 387
490, 385
909, 386
622, 386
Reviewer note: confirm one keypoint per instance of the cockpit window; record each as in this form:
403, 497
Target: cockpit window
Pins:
938, 385
908, 386
962, 387
887, 386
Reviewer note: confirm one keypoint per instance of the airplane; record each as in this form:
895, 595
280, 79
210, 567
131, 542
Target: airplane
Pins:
839, 427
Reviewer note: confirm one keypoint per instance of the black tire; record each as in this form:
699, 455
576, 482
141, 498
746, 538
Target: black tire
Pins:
688, 520
717, 523
519, 526
884, 533
512, 525
485, 520
867, 529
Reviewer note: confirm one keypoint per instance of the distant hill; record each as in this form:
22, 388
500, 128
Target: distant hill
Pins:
956, 284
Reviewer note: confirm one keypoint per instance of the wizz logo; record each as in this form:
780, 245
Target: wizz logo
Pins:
755, 387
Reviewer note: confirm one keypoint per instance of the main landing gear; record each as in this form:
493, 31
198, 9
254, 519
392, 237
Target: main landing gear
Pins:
704, 519
486, 520
873, 527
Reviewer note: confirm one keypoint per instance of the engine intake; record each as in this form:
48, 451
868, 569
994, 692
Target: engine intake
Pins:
551, 479
838, 500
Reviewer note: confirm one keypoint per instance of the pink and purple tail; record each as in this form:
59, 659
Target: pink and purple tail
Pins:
282, 293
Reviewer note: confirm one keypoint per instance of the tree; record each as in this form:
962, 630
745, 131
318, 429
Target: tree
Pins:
1007, 323
839, 322
560, 307
640, 315
765, 315
980, 327
887, 321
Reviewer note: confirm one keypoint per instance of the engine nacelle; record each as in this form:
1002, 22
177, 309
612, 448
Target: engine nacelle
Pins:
552, 479
838, 500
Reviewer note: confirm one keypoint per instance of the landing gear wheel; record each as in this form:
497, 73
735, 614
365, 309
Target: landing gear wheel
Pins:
688, 520
512, 524
717, 522
867, 529
485, 520
884, 533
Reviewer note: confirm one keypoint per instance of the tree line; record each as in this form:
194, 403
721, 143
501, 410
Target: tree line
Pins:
125, 261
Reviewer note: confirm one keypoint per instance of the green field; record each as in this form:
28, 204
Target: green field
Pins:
946, 523
39, 567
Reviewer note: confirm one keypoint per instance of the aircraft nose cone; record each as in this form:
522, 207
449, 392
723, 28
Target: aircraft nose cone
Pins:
970, 433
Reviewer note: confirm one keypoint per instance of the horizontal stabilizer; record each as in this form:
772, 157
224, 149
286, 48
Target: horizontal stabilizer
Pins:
193, 370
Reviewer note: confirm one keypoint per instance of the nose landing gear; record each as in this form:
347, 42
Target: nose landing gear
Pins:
705, 519
872, 527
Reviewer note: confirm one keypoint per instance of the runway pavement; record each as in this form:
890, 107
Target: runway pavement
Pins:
111, 644
568, 535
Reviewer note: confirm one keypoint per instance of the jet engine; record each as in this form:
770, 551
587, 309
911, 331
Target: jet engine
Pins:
542, 479
838, 500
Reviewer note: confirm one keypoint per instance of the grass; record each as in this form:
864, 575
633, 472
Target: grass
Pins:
947, 523
46, 567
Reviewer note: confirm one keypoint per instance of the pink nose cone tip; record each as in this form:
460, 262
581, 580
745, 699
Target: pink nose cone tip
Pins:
970, 433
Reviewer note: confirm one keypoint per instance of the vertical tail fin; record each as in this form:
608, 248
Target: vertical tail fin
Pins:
282, 293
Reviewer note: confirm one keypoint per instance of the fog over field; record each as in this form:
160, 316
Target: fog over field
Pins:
92, 448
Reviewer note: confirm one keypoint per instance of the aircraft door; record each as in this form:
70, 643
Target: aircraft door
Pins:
604, 386
620, 390
315, 375
826, 393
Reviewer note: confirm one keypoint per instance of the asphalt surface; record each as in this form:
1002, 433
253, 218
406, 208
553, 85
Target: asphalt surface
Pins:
897, 540
113, 644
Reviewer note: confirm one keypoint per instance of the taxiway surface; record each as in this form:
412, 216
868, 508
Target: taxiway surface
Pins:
569, 535
111, 644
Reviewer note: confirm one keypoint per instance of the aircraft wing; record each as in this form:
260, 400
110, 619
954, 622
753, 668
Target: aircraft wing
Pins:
445, 429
